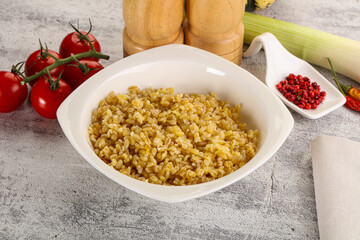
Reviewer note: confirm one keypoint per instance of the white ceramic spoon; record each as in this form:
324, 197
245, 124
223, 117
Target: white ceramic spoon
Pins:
280, 63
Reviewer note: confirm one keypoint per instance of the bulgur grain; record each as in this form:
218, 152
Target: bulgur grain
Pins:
162, 137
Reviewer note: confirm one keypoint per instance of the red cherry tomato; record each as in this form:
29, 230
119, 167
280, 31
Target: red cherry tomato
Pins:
74, 76
72, 45
46, 101
12, 93
35, 63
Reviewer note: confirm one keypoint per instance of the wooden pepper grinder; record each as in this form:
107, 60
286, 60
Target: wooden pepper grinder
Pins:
216, 26
151, 23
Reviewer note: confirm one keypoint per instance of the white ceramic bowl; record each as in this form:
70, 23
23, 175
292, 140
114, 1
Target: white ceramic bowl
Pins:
187, 69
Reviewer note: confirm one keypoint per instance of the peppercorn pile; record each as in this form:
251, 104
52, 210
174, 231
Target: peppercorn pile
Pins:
301, 91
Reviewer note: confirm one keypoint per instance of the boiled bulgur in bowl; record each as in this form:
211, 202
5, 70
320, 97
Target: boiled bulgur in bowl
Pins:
162, 137
188, 70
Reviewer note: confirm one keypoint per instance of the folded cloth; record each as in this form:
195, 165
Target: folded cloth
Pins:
336, 170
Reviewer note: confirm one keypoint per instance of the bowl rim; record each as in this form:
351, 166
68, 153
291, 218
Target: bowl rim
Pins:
65, 115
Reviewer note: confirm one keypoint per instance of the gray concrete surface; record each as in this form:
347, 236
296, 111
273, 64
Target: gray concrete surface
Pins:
47, 191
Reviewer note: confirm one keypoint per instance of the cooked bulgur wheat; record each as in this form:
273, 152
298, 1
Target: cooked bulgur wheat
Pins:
162, 137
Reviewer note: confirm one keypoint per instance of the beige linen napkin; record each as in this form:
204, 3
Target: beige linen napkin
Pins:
336, 170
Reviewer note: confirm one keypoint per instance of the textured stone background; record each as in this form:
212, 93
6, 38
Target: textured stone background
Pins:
47, 191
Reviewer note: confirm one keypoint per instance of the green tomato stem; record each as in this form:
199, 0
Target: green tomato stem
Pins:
59, 62
52, 56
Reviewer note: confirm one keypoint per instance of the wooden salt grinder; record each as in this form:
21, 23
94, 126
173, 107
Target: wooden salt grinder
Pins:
216, 26
151, 23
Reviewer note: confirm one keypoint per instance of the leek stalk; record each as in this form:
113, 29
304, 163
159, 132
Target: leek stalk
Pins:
309, 44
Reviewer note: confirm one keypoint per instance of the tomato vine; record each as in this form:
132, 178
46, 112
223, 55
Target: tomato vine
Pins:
92, 53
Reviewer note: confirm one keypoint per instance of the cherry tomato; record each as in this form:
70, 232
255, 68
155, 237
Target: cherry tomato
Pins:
12, 93
74, 76
46, 101
35, 63
72, 45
